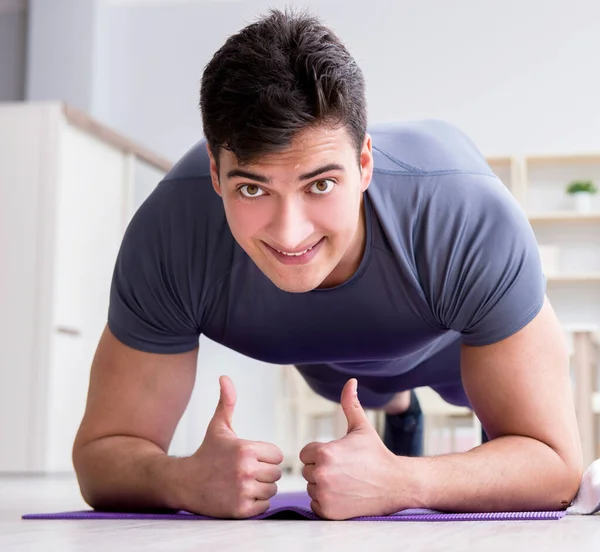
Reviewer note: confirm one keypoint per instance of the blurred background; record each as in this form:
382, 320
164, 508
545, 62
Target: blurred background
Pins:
100, 97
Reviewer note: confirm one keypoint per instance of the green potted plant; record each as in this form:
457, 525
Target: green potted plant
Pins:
582, 192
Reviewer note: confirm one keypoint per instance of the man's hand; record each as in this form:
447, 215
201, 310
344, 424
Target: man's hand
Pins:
229, 477
350, 477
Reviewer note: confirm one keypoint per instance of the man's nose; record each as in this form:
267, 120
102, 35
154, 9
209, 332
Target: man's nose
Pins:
291, 227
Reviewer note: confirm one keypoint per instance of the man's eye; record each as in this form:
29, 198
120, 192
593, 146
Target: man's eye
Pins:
251, 190
321, 187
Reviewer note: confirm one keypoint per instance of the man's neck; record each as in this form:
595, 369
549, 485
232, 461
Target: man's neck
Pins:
350, 262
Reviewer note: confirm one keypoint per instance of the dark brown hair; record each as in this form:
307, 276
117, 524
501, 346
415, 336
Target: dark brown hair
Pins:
276, 77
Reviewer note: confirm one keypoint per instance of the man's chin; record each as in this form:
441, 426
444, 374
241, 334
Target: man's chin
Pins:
294, 286
290, 283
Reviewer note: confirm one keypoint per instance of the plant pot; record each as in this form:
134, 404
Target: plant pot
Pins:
583, 202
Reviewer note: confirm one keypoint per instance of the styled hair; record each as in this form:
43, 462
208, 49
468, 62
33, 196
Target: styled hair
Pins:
276, 77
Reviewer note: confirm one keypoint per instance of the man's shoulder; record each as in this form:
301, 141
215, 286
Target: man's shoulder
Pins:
424, 147
186, 190
184, 213
194, 164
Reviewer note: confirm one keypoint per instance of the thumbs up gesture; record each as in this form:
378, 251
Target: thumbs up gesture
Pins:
229, 477
351, 476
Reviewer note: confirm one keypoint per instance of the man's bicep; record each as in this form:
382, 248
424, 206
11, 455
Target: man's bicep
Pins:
521, 386
136, 394
155, 293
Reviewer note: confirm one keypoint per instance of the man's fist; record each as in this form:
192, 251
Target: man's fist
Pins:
229, 477
349, 477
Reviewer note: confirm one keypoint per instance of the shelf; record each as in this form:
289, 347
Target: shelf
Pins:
498, 160
563, 159
565, 216
591, 328
582, 277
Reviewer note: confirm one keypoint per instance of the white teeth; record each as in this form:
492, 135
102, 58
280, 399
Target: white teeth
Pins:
295, 254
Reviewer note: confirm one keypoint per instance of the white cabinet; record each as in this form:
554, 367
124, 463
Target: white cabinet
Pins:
67, 191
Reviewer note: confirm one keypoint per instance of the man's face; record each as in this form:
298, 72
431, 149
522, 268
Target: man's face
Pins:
297, 213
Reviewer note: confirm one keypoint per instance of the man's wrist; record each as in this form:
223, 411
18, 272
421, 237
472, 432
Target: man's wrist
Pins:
411, 484
166, 480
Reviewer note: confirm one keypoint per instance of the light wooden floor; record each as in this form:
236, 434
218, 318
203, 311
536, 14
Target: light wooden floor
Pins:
19, 495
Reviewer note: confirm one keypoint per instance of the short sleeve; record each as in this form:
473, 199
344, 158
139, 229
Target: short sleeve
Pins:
478, 259
152, 305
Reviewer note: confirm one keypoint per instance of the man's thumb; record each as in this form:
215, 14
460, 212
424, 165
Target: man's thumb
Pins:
355, 414
223, 416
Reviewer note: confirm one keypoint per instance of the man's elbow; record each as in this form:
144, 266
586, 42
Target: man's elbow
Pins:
572, 482
83, 463
80, 466
569, 479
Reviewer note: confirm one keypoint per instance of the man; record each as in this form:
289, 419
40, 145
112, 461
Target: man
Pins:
391, 259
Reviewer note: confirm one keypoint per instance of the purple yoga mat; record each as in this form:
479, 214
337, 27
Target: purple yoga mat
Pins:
296, 505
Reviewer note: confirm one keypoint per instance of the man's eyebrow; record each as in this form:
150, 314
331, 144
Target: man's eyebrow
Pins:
320, 170
249, 175
265, 180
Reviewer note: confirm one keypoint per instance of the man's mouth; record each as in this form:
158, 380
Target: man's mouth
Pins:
296, 257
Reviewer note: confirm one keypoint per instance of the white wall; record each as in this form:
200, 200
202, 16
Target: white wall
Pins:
13, 38
67, 53
519, 77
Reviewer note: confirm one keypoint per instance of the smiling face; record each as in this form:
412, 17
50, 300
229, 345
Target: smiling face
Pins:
298, 213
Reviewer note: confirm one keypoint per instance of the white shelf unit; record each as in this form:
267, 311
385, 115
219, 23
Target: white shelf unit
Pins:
575, 277
564, 216
69, 186
574, 288
539, 183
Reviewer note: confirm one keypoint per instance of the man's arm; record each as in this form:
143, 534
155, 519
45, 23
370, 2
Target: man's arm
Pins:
135, 401
120, 454
521, 391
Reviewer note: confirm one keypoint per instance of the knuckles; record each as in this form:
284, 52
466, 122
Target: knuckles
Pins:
244, 472
324, 455
320, 475
245, 451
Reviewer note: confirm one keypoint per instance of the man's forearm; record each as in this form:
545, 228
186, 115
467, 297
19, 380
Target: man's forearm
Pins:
510, 473
126, 474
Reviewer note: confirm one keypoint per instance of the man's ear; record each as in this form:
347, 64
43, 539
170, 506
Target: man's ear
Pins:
214, 173
366, 163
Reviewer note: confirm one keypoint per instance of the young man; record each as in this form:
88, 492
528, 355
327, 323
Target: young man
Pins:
393, 258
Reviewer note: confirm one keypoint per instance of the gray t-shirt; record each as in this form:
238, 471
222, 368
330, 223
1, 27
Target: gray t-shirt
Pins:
450, 257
